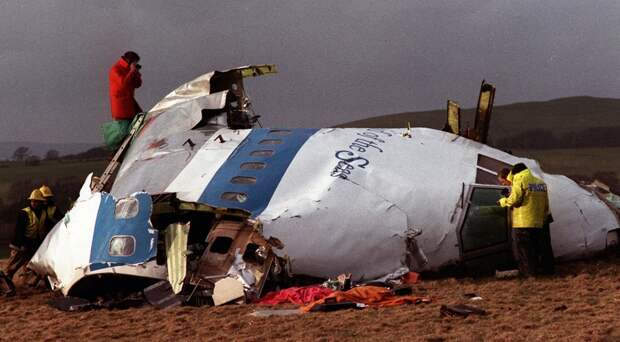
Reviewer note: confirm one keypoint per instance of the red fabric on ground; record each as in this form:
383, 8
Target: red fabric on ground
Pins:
296, 295
370, 295
410, 278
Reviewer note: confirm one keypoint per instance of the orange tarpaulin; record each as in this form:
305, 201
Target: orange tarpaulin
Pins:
370, 295
296, 295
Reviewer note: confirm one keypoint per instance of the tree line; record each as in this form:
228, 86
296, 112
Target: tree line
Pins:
24, 154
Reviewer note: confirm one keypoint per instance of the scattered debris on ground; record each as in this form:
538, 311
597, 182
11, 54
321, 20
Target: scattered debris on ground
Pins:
579, 303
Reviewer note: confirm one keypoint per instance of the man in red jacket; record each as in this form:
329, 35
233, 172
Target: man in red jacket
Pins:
124, 79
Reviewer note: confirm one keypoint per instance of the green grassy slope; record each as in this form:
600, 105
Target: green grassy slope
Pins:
49, 171
575, 136
584, 161
597, 117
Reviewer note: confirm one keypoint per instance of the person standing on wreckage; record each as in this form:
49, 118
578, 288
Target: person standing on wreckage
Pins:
529, 203
124, 78
30, 231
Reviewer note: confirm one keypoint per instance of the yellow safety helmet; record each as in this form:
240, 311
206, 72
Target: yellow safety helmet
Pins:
46, 191
36, 195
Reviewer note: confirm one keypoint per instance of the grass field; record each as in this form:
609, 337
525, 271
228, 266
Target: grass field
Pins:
15, 171
571, 114
584, 161
579, 303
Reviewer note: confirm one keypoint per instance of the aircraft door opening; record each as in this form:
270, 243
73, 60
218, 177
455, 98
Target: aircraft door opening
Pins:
484, 233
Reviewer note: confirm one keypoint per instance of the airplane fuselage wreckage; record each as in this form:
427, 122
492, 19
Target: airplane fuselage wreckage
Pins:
205, 201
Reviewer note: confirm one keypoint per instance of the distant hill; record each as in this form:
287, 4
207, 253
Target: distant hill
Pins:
40, 149
562, 123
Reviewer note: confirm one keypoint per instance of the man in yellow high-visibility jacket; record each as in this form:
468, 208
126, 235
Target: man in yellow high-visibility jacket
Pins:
29, 233
53, 213
530, 208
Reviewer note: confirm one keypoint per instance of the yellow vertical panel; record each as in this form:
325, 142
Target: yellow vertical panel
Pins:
454, 117
176, 253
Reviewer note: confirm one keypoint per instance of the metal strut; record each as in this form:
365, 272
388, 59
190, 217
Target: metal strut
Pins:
120, 152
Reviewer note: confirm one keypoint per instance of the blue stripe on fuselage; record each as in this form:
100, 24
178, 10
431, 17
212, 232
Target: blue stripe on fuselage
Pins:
267, 179
108, 226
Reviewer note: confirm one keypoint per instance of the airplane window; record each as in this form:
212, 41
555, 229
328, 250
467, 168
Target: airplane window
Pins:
252, 166
280, 132
122, 245
261, 153
243, 180
234, 196
221, 245
270, 142
126, 208
486, 223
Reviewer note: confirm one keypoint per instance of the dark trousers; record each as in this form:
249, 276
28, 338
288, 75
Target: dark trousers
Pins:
546, 251
17, 259
526, 249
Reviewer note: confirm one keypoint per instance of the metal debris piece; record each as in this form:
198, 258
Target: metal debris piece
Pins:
161, 295
335, 306
472, 296
407, 132
506, 274
460, 310
237, 249
72, 304
241, 272
340, 283
453, 120
483, 112
272, 312
227, 290
176, 250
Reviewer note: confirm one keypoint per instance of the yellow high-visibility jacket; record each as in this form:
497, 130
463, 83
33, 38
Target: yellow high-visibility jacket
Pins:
51, 211
528, 200
36, 227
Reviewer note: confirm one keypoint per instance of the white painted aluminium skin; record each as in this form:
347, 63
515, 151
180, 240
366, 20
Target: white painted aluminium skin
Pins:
195, 177
65, 253
330, 225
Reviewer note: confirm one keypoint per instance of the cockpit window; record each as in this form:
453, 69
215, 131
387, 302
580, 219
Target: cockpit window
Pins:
126, 208
487, 169
492, 164
122, 245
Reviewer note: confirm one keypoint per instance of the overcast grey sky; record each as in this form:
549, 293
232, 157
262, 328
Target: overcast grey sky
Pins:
338, 60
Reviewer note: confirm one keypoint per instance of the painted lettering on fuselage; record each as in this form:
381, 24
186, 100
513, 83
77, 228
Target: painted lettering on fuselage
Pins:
359, 150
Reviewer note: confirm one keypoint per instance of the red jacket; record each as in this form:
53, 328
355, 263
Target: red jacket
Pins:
123, 82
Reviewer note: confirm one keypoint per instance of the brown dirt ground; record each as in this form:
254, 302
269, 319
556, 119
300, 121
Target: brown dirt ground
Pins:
580, 303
